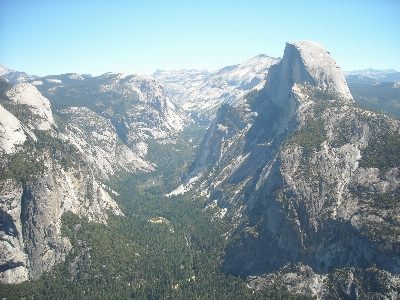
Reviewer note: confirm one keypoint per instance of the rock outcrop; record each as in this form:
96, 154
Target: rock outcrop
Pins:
309, 184
55, 192
31, 242
13, 257
39, 106
11, 131
136, 105
46, 171
305, 63
95, 137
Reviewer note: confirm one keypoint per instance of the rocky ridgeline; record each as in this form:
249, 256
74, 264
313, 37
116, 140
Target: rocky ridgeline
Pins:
46, 172
51, 167
136, 105
15, 77
204, 91
309, 182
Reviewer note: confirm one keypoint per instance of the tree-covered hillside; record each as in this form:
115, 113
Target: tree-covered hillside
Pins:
383, 97
163, 248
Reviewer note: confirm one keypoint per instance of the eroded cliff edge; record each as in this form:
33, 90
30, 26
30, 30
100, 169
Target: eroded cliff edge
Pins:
309, 182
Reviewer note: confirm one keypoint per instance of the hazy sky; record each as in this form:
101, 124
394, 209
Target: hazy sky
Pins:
94, 37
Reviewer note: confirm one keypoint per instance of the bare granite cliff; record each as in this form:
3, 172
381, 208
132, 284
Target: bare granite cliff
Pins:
54, 193
11, 131
136, 105
45, 172
13, 258
96, 139
305, 62
310, 183
39, 106
57, 163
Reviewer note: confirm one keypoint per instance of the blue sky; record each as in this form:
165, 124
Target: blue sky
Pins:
94, 37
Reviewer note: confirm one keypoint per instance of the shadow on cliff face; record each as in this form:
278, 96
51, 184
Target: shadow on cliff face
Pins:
259, 249
7, 226
8, 231
278, 234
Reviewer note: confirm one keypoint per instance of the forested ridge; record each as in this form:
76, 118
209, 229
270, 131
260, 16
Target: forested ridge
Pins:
136, 257
383, 96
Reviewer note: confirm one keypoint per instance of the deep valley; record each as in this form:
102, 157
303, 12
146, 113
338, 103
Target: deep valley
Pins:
271, 179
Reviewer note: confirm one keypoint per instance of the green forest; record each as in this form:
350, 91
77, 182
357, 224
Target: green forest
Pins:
163, 248
383, 97
135, 257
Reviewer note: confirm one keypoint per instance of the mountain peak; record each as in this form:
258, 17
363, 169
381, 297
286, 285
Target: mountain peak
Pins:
3, 70
323, 68
306, 62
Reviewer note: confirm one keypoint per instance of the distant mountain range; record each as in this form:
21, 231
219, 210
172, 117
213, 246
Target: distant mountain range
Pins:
204, 91
15, 77
370, 72
371, 76
201, 92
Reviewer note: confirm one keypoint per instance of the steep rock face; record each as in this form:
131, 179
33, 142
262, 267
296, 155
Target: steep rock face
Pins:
223, 131
27, 94
46, 172
13, 258
312, 181
31, 242
136, 105
208, 91
225, 125
154, 116
323, 222
11, 131
95, 137
54, 193
304, 63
